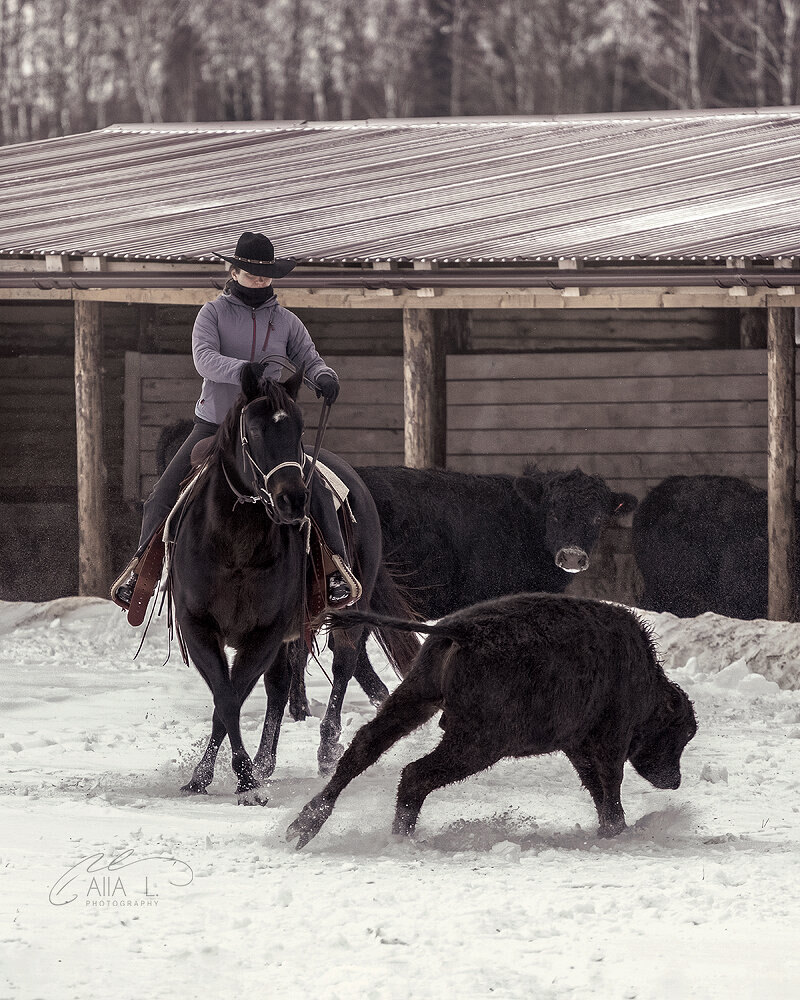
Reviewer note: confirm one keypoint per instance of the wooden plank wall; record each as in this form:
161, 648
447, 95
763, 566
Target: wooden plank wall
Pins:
632, 417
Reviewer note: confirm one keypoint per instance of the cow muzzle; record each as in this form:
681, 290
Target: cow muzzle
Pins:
572, 559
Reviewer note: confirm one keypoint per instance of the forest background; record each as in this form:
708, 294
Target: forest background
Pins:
70, 66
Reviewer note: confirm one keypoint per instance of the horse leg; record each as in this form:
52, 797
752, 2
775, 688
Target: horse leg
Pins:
298, 702
229, 688
204, 772
259, 654
344, 662
276, 681
364, 673
206, 652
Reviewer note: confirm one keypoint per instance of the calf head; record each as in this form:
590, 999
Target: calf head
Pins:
656, 749
576, 507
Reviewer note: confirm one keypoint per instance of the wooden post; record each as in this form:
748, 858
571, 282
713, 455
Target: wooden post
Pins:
782, 603
94, 576
424, 391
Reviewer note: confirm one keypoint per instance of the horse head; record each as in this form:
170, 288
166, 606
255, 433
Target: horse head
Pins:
269, 448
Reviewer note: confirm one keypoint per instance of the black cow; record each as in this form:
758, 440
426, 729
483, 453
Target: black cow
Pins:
452, 539
701, 545
519, 676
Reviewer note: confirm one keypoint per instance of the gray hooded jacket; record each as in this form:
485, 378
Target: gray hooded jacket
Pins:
228, 333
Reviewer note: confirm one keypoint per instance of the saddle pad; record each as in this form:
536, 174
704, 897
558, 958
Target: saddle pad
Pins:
334, 483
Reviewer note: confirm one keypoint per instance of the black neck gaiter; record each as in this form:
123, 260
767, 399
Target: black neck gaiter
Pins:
252, 297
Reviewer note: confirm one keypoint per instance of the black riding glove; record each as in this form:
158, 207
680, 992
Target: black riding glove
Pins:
327, 386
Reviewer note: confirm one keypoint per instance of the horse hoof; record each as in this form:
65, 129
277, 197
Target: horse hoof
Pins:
261, 772
253, 797
194, 788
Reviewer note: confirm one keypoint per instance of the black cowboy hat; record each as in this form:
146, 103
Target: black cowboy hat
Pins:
255, 254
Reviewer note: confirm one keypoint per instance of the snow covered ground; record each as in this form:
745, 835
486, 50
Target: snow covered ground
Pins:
505, 891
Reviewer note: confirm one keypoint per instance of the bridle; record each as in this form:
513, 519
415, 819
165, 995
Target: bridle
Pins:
263, 494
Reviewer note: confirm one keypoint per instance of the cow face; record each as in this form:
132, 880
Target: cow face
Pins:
655, 752
576, 508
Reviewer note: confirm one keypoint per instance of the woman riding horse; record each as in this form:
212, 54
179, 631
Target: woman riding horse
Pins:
238, 569
245, 325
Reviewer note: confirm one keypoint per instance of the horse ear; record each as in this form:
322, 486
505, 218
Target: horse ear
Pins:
293, 383
251, 379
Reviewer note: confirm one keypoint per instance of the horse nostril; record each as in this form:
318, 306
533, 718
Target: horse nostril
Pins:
291, 504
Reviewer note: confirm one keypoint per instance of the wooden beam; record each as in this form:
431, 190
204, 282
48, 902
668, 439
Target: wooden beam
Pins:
94, 573
478, 298
424, 391
782, 600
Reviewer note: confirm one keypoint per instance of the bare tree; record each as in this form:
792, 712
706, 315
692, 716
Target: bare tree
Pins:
672, 68
512, 53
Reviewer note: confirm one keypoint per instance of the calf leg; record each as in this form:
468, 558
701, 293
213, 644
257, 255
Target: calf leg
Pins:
601, 774
457, 757
405, 709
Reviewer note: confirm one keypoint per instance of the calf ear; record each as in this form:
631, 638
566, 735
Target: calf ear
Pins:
624, 503
529, 489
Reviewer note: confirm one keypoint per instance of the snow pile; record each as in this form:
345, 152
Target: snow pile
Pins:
771, 649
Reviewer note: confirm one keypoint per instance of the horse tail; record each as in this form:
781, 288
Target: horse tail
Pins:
388, 602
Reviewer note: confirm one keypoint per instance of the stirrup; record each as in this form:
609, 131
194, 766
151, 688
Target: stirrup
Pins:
123, 600
349, 579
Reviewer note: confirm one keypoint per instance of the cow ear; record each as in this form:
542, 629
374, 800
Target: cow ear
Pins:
624, 503
529, 489
293, 383
251, 379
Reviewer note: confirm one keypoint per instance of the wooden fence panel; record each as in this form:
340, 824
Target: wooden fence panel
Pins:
633, 417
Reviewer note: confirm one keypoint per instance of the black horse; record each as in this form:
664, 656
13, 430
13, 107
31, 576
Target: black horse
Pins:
237, 575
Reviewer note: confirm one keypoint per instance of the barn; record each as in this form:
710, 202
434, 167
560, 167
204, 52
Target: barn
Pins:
613, 292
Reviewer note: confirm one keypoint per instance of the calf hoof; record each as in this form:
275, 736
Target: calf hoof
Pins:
608, 830
329, 758
308, 823
194, 788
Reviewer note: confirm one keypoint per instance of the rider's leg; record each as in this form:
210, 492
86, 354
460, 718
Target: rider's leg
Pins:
343, 587
158, 505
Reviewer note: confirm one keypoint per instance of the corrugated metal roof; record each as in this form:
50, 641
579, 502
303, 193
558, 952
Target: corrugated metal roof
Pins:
667, 186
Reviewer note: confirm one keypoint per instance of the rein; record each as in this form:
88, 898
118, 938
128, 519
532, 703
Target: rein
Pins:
322, 427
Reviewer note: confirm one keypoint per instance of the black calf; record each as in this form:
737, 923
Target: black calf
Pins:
518, 676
